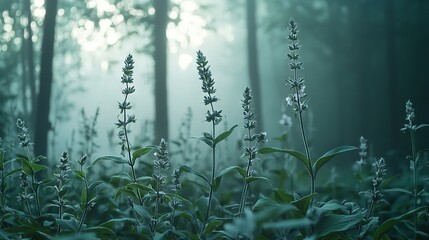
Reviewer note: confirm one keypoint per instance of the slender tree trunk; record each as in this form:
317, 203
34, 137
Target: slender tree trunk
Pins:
252, 60
30, 64
160, 58
42, 120
390, 20
24, 78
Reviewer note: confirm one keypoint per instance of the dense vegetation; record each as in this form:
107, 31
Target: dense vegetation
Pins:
148, 193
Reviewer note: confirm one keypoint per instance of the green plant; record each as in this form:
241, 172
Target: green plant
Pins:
411, 128
298, 100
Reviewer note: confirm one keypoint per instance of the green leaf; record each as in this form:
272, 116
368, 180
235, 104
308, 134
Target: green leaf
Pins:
211, 226
202, 207
83, 198
253, 178
303, 203
12, 172
398, 190
329, 155
117, 221
301, 157
141, 152
282, 196
116, 159
218, 178
270, 212
38, 167
285, 225
390, 223
120, 180
138, 186
207, 139
26, 166
102, 232
198, 174
80, 174
224, 135
263, 203
332, 223
421, 126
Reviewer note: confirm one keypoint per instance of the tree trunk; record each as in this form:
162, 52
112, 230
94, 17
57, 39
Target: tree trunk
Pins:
42, 119
391, 73
30, 64
252, 60
160, 58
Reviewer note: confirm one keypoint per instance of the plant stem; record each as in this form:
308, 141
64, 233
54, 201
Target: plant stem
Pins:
413, 150
246, 184
157, 194
307, 150
213, 169
130, 162
82, 219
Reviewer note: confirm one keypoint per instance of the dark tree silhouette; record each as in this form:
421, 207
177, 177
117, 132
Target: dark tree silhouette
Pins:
252, 59
46, 79
160, 58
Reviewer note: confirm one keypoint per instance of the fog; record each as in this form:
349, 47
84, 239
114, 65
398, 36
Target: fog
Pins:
361, 60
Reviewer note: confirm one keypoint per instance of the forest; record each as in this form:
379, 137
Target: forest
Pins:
185, 119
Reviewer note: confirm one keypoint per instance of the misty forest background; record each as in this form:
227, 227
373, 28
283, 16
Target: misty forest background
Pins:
363, 59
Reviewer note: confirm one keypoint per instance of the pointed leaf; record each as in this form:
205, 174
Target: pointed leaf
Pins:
329, 155
116, 159
211, 226
139, 186
332, 223
102, 232
12, 172
421, 126
38, 167
390, 223
303, 203
206, 140
218, 178
141, 152
79, 174
224, 135
253, 178
198, 174
301, 157
263, 203
285, 225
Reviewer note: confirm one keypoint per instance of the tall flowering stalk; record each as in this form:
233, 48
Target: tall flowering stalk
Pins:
363, 154
24, 143
125, 119
213, 116
250, 151
298, 98
161, 163
63, 178
410, 127
376, 193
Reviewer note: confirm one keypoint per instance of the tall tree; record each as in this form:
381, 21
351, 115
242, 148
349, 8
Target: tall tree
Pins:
46, 79
252, 59
160, 58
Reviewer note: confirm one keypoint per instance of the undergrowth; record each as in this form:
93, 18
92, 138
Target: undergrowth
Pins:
149, 193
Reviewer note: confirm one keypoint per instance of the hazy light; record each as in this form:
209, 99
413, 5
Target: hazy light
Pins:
39, 3
184, 61
151, 11
190, 30
60, 12
104, 65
